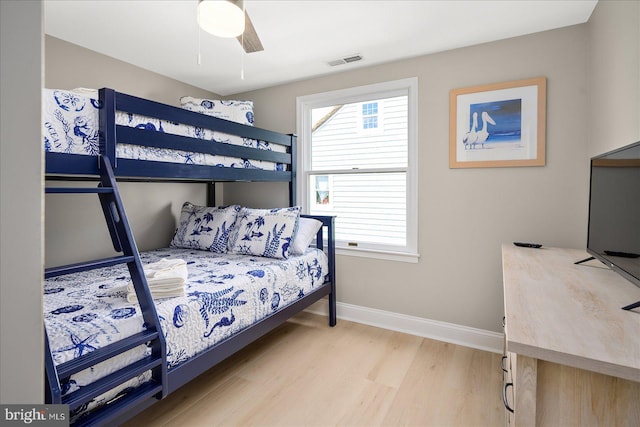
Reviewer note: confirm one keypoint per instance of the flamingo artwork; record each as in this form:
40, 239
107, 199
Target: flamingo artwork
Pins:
470, 137
483, 134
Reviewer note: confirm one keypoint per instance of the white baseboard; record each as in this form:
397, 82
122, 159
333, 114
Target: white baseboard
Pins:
433, 329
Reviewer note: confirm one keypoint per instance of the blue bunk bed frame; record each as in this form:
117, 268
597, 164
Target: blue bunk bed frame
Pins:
107, 168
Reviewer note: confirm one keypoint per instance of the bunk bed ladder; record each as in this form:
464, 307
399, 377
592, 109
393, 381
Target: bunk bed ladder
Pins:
123, 242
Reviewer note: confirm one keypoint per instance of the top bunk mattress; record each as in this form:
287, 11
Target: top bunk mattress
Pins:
70, 125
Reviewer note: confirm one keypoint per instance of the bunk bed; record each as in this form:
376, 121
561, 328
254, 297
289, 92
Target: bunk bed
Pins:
127, 139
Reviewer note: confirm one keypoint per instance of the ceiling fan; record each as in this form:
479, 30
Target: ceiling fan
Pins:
229, 18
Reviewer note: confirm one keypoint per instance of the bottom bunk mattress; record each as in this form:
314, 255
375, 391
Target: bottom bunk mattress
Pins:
224, 293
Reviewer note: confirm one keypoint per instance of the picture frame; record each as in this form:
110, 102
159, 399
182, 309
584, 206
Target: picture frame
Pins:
498, 125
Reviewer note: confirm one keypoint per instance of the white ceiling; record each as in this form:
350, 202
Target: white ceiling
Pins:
299, 37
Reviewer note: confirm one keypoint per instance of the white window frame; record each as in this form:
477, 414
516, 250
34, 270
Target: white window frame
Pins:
305, 104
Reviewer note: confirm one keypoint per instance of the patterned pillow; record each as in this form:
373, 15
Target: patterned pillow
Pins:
264, 232
235, 111
205, 228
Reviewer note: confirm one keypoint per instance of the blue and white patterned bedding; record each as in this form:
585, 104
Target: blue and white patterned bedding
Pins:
70, 125
224, 294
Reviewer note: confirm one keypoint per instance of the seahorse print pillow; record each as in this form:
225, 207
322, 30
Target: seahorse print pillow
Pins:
205, 228
264, 232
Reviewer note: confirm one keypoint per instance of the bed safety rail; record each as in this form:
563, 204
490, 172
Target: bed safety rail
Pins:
123, 242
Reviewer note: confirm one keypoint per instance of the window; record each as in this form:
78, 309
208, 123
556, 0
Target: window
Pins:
370, 115
358, 161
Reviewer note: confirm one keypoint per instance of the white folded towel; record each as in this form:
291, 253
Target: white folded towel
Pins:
166, 268
166, 278
169, 292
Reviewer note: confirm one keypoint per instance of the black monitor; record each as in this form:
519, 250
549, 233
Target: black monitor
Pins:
614, 212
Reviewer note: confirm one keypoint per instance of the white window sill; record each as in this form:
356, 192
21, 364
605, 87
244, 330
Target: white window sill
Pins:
379, 254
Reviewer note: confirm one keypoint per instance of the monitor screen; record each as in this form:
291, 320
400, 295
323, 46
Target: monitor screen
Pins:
614, 211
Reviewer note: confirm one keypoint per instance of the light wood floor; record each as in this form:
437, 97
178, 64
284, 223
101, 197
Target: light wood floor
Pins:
308, 374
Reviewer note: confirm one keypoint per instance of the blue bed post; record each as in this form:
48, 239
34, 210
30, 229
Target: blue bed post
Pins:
292, 183
331, 250
211, 193
52, 391
107, 135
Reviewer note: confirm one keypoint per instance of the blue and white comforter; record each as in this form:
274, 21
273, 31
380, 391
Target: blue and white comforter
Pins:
70, 125
224, 294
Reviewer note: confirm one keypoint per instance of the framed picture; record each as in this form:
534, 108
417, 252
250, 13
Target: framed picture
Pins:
498, 125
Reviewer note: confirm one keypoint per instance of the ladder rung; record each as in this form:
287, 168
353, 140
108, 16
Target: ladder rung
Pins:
88, 392
114, 410
85, 266
77, 190
76, 365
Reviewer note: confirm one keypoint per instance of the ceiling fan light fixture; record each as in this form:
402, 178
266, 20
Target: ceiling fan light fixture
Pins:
222, 18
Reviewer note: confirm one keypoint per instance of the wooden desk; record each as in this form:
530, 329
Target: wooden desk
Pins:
575, 354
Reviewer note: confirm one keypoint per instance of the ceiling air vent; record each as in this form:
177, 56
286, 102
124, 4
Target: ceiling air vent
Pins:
345, 60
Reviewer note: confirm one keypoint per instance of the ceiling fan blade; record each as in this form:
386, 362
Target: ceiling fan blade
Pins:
249, 40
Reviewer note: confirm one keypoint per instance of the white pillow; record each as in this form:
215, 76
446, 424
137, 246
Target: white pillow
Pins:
91, 93
205, 228
264, 232
307, 231
235, 111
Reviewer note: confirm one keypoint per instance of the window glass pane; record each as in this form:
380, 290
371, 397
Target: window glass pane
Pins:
370, 122
337, 140
369, 207
369, 108
322, 187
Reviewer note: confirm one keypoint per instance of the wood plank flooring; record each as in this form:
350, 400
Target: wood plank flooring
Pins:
308, 374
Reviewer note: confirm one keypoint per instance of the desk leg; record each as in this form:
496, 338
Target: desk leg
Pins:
524, 387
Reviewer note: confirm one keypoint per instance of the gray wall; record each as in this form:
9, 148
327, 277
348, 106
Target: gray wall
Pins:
68, 66
465, 214
614, 76
75, 229
21, 252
